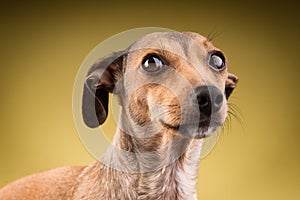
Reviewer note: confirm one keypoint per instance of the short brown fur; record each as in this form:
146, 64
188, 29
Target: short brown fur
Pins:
176, 161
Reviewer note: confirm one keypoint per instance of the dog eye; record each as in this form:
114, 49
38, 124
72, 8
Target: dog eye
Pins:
217, 61
152, 63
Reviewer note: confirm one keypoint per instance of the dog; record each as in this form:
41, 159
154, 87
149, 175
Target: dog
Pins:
173, 89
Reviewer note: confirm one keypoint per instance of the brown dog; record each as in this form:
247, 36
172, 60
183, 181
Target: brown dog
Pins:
173, 89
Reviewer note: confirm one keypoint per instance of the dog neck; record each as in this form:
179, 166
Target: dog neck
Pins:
164, 165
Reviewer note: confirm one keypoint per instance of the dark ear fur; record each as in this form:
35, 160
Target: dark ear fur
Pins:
230, 84
101, 80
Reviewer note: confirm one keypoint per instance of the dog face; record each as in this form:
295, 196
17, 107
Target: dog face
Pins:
175, 81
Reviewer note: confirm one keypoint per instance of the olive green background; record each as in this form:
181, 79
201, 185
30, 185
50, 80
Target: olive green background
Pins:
43, 45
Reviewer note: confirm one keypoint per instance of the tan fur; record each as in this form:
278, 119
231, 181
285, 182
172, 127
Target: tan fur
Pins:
51, 184
171, 170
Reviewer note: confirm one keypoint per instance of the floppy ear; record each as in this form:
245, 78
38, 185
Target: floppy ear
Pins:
101, 80
230, 84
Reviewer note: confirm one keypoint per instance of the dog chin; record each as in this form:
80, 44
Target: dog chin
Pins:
203, 133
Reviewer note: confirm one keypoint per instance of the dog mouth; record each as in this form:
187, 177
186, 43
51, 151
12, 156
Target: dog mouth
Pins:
202, 129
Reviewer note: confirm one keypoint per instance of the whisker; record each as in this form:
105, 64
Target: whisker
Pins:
235, 111
213, 34
227, 124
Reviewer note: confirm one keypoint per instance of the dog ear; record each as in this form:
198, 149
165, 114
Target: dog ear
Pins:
101, 80
230, 84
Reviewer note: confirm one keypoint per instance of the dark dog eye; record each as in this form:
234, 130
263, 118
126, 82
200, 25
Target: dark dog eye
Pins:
217, 61
152, 63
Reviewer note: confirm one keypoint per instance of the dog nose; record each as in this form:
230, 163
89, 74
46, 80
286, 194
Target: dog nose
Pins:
210, 99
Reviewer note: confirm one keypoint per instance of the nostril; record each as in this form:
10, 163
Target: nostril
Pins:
203, 101
219, 100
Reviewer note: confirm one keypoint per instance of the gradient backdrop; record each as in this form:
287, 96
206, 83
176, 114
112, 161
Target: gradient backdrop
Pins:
44, 44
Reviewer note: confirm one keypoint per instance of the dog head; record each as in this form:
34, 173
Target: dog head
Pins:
169, 80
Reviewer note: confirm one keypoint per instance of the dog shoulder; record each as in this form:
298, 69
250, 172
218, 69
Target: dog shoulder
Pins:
56, 183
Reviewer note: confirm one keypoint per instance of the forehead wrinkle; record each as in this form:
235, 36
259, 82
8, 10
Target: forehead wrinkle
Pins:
174, 42
168, 46
183, 40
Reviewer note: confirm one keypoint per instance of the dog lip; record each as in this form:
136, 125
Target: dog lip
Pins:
202, 124
176, 127
181, 127
201, 129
